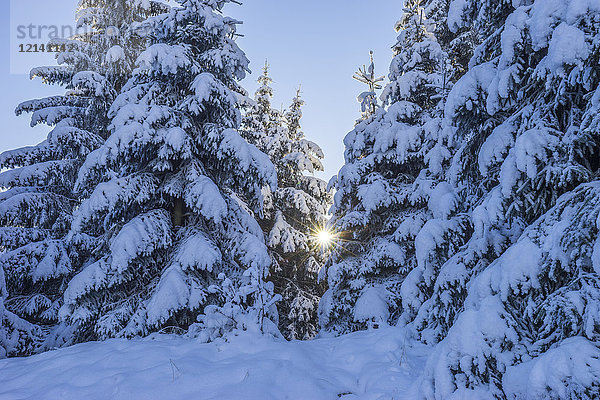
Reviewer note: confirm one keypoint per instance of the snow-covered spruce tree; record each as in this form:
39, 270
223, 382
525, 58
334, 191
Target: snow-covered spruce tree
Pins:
260, 120
386, 192
172, 224
525, 119
36, 209
294, 212
422, 65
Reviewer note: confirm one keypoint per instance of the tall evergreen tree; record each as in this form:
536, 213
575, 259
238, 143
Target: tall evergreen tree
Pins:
387, 191
37, 206
260, 119
522, 296
294, 212
172, 224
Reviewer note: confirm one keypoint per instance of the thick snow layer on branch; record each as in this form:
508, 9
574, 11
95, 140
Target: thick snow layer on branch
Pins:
205, 197
572, 366
172, 294
372, 305
467, 90
284, 236
198, 252
134, 189
140, 236
114, 54
164, 58
247, 156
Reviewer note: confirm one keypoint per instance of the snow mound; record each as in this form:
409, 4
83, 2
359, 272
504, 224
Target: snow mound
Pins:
372, 365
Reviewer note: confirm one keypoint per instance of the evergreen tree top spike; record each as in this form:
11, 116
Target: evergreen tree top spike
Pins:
367, 75
368, 99
264, 79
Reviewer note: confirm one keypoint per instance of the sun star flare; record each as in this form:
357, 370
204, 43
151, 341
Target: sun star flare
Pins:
325, 237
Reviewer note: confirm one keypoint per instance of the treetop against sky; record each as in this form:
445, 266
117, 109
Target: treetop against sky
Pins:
315, 44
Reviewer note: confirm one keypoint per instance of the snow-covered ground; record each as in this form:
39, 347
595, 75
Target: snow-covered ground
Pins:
375, 365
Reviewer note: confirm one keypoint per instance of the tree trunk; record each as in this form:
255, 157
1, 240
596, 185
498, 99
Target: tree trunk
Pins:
179, 212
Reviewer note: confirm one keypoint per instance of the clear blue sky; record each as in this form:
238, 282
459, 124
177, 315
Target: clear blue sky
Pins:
316, 43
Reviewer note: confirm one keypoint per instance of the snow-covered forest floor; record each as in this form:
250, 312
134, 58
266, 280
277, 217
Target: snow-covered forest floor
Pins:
376, 365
